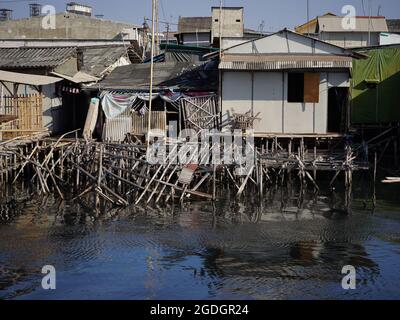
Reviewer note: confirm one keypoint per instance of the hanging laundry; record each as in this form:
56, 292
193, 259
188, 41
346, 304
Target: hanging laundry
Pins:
116, 104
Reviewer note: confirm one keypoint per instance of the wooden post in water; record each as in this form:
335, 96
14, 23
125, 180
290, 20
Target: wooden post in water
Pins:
375, 176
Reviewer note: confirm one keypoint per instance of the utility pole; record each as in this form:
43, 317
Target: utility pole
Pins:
157, 30
153, 11
369, 22
220, 28
166, 47
220, 59
308, 17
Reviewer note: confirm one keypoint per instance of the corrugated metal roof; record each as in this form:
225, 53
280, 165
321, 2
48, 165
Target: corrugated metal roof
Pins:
194, 24
282, 62
97, 59
14, 58
287, 32
363, 24
30, 79
79, 77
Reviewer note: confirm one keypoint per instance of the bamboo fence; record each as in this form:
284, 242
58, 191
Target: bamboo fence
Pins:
28, 111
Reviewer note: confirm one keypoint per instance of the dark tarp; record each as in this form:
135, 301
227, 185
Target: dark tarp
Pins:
376, 87
176, 76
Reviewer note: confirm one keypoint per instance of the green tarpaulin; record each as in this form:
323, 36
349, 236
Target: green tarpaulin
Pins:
376, 87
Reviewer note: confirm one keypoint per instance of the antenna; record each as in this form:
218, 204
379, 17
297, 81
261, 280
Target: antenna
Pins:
221, 5
261, 27
35, 9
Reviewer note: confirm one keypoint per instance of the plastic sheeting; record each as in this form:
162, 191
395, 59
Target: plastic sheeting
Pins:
115, 104
376, 87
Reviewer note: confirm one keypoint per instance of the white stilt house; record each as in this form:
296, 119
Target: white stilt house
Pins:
292, 83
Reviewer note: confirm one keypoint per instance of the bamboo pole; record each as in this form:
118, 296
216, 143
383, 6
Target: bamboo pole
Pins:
151, 72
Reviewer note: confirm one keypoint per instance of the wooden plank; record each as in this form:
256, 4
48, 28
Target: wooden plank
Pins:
311, 87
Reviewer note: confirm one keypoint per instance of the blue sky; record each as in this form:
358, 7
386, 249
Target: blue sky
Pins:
276, 14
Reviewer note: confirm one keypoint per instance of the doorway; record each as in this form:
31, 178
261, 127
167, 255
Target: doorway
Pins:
337, 106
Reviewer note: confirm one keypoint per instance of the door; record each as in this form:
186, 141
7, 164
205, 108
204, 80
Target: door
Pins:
337, 109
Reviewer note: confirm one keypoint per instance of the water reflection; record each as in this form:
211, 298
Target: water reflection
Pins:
273, 248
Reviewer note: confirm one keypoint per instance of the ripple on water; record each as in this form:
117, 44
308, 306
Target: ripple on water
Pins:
221, 250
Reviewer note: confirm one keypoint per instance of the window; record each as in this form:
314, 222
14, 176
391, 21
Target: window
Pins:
303, 87
296, 87
238, 20
216, 20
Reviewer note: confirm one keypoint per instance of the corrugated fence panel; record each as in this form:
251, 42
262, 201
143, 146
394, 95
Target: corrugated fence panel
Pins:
116, 129
140, 123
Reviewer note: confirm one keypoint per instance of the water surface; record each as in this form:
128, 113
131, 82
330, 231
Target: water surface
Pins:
228, 250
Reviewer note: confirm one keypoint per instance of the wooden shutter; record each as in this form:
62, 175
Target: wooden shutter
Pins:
311, 87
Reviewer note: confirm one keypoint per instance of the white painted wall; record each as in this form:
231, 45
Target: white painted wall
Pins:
237, 92
266, 93
200, 39
350, 39
338, 79
229, 42
299, 117
282, 43
389, 38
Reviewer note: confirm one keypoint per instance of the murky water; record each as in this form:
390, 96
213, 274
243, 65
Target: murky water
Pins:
227, 250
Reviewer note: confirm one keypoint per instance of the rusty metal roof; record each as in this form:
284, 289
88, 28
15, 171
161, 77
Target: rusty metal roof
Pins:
283, 61
26, 58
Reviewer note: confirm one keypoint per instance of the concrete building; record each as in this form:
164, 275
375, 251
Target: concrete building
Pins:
329, 28
77, 8
69, 25
293, 83
232, 23
311, 27
393, 25
5, 14
205, 31
194, 31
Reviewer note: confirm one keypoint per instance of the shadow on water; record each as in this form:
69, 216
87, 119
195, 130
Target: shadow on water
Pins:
277, 247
